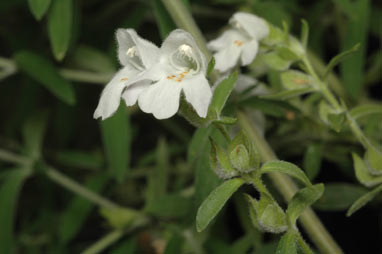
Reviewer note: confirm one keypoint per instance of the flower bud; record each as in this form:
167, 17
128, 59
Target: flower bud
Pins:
243, 154
240, 158
220, 162
373, 160
266, 214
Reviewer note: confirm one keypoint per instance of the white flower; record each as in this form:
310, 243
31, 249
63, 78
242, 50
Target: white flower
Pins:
181, 68
239, 44
136, 55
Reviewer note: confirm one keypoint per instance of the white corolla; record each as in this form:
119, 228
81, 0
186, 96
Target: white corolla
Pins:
240, 44
181, 68
136, 55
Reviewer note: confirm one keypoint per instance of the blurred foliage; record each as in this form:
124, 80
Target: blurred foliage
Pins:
55, 57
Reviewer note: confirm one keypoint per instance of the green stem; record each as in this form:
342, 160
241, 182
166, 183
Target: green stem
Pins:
309, 220
334, 102
104, 242
77, 188
13, 158
86, 76
303, 245
223, 131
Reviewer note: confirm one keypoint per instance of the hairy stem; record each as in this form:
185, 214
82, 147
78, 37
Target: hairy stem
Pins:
104, 242
309, 220
329, 96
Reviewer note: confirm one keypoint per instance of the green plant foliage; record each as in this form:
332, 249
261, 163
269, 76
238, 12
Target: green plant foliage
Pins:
39, 7
44, 72
116, 139
215, 202
60, 22
339, 196
287, 244
286, 168
10, 187
302, 199
363, 200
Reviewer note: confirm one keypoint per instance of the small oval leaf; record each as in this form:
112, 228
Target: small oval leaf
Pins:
302, 199
38, 7
215, 202
286, 168
362, 173
60, 27
362, 201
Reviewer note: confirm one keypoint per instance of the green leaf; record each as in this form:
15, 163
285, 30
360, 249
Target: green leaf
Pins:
75, 214
215, 202
80, 159
164, 21
174, 245
304, 33
302, 199
288, 243
338, 58
312, 160
158, 178
288, 94
60, 21
362, 173
275, 61
362, 201
220, 162
198, 141
286, 168
9, 191
292, 80
116, 135
92, 59
373, 160
336, 120
339, 196
38, 7
364, 110
352, 69
221, 94
128, 246
171, 206
211, 66
33, 133
270, 107
119, 218
41, 70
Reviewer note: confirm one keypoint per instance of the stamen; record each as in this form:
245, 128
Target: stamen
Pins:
124, 79
238, 43
131, 52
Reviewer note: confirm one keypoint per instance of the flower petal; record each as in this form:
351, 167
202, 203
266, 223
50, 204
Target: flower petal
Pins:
249, 52
161, 99
111, 94
227, 58
179, 37
131, 93
256, 27
127, 38
198, 92
224, 40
